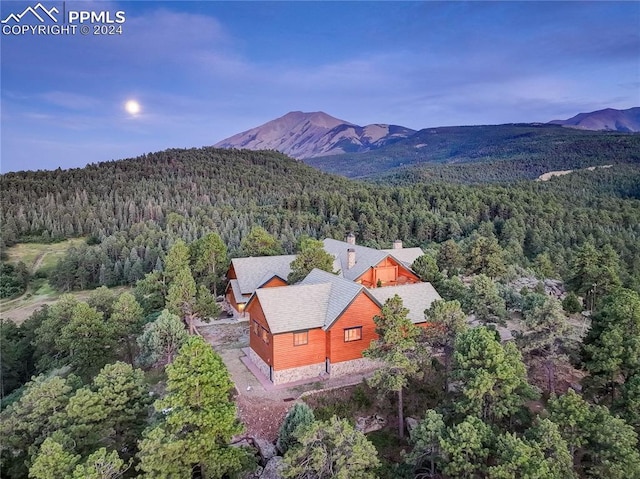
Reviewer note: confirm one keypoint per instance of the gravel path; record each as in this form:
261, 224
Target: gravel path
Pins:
261, 410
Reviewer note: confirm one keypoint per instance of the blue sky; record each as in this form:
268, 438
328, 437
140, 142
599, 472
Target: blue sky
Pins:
203, 71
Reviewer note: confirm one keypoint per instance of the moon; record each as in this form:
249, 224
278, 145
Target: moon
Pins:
132, 107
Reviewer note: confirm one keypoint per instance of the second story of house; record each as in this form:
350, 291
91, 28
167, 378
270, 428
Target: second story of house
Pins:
372, 267
369, 267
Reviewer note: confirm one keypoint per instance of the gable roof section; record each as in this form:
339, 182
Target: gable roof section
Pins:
237, 294
292, 308
405, 255
342, 293
253, 272
316, 302
415, 297
365, 257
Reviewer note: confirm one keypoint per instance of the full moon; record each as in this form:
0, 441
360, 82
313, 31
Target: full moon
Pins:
132, 107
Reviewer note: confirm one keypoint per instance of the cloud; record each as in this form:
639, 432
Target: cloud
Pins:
70, 100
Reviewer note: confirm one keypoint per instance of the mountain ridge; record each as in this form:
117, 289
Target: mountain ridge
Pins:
609, 119
305, 135
308, 135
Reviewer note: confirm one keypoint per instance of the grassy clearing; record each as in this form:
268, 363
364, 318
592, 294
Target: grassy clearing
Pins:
19, 309
40, 256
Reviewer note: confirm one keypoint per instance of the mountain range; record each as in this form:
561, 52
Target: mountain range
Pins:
316, 134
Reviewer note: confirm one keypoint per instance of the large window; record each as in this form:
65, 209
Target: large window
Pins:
300, 338
353, 334
265, 335
256, 328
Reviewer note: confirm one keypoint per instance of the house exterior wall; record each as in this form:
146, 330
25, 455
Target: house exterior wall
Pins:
359, 313
231, 299
299, 373
257, 360
256, 343
274, 282
231, 273
354, 366
389, 272
287, 355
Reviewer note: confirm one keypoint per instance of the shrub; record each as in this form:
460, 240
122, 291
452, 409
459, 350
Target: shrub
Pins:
299, 416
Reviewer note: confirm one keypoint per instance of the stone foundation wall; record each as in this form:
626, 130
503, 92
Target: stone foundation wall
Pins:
354, 366
296, 374
257, 360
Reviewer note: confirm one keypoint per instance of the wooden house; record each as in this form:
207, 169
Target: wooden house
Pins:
322, 325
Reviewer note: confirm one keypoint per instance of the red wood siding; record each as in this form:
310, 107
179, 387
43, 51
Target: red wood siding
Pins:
231, 273
231, 298
289, 356
274, 283
265, 351
389, 272
359, 313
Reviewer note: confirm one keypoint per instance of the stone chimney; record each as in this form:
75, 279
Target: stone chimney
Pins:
397, 244
351, 238
351, 258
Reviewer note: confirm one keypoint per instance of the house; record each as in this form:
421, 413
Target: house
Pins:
322, 325
360, 264
246, 275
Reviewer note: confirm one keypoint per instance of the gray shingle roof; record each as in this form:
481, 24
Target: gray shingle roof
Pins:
415, 297
342, 293
291, 308
252, 272
365, 257
235, 287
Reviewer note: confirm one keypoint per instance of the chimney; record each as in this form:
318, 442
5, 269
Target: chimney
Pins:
351, 258
397, 244
351, 238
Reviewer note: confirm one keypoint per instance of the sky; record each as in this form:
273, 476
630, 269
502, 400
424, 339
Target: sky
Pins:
203, 71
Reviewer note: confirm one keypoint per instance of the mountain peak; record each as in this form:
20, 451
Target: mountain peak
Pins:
307, 134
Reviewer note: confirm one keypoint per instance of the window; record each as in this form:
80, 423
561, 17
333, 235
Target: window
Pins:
353, 334
300, 338
265, 335
256, 328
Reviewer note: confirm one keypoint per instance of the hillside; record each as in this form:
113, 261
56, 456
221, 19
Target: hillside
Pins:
605, 120
532, 149
133, 210
305, 135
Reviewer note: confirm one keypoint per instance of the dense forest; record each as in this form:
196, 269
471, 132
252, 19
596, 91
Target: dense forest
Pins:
118, 385
529, 149
132, 211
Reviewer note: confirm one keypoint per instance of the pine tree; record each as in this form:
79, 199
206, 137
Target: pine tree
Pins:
330, 450
299, 416
547, 327
260, 243
198, 419
426, 437
125, 322
493, 377
53, 461
161, 340
398, 349
446, 320
312, 255
465, 448
181, 298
